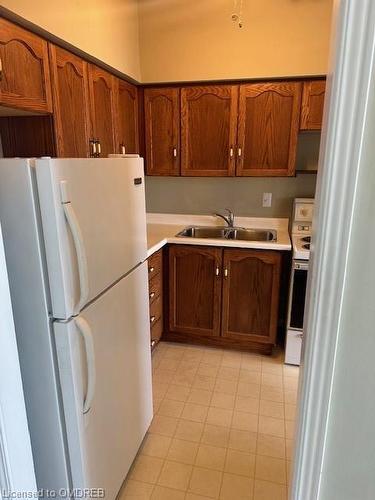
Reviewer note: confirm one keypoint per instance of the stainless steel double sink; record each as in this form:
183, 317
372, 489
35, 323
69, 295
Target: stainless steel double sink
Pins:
229, 233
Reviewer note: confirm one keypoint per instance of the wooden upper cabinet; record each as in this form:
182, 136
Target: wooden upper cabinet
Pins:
195, 289
70, 103
250, 295
102, 88
25, 79
208, 130
127, 118
268, 126
162, 131
312, 104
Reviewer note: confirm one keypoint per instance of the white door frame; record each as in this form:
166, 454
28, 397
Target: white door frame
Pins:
351, 67
16, 461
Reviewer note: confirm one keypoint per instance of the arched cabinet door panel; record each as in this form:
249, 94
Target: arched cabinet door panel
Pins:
251, 280
162, 130
208, 130
71, 103
127, 118
25, 78
102, 87
195, 290
268, 126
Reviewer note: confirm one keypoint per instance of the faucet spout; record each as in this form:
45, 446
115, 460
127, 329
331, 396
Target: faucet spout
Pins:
229, 219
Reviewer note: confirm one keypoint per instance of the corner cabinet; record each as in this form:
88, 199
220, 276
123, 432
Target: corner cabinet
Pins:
223, 296
102, 89
268, 126
24, 75
70, 103
312, 104
162, 130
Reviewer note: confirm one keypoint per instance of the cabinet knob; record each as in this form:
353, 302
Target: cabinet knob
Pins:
226, 273
239, 152
174, 152
122, 149
151, 269
152, 319
99, 148
231, 153
217, 270
152, 295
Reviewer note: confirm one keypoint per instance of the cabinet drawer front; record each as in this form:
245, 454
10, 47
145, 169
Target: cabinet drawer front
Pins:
155, 287
156, 310
157, 330
155, 263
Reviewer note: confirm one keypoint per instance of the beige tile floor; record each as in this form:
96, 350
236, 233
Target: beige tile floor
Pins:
223, 427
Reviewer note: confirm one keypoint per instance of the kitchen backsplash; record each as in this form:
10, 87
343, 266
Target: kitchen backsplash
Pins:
194, 195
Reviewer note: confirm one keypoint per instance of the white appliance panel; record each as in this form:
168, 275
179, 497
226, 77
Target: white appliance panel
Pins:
104, 441
94, 224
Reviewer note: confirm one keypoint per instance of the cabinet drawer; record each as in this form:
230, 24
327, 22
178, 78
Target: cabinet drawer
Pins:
155, 263
157, 330
155, 287
156, 309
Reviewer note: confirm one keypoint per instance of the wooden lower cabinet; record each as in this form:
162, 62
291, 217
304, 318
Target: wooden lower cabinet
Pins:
195, 290
223, 297
250, 295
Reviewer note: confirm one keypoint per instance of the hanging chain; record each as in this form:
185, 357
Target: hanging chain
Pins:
237, 12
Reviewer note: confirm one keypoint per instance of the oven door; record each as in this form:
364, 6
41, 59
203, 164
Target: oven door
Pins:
297, 295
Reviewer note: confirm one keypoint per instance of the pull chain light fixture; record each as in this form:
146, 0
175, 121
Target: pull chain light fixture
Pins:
237, 12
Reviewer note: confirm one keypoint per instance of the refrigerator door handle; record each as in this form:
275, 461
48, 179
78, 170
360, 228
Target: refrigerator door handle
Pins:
81, 254
85, 331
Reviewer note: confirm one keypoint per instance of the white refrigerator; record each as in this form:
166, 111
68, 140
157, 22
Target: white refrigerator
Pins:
75, 244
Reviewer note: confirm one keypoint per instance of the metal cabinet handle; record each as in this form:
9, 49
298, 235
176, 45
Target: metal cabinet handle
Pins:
174, 152
92, 144
151, 269
217, 270
152, 295
239, 152
152, 319
153, 343
99, 148
226, 273
231, 152
122, 148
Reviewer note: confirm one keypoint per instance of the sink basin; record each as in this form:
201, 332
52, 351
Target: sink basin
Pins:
226, 233
252, 235
203, 232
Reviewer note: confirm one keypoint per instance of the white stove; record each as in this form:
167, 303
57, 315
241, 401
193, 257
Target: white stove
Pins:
303, 209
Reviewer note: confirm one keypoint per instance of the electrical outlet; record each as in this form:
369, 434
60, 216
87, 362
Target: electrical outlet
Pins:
267, 199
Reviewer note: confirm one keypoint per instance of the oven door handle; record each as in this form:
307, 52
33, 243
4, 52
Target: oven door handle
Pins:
301, 266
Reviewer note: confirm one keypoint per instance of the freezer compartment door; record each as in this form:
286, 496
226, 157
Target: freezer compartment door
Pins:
94, 224
104, 364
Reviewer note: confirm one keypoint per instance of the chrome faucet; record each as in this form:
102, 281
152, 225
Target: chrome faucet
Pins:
229, 219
